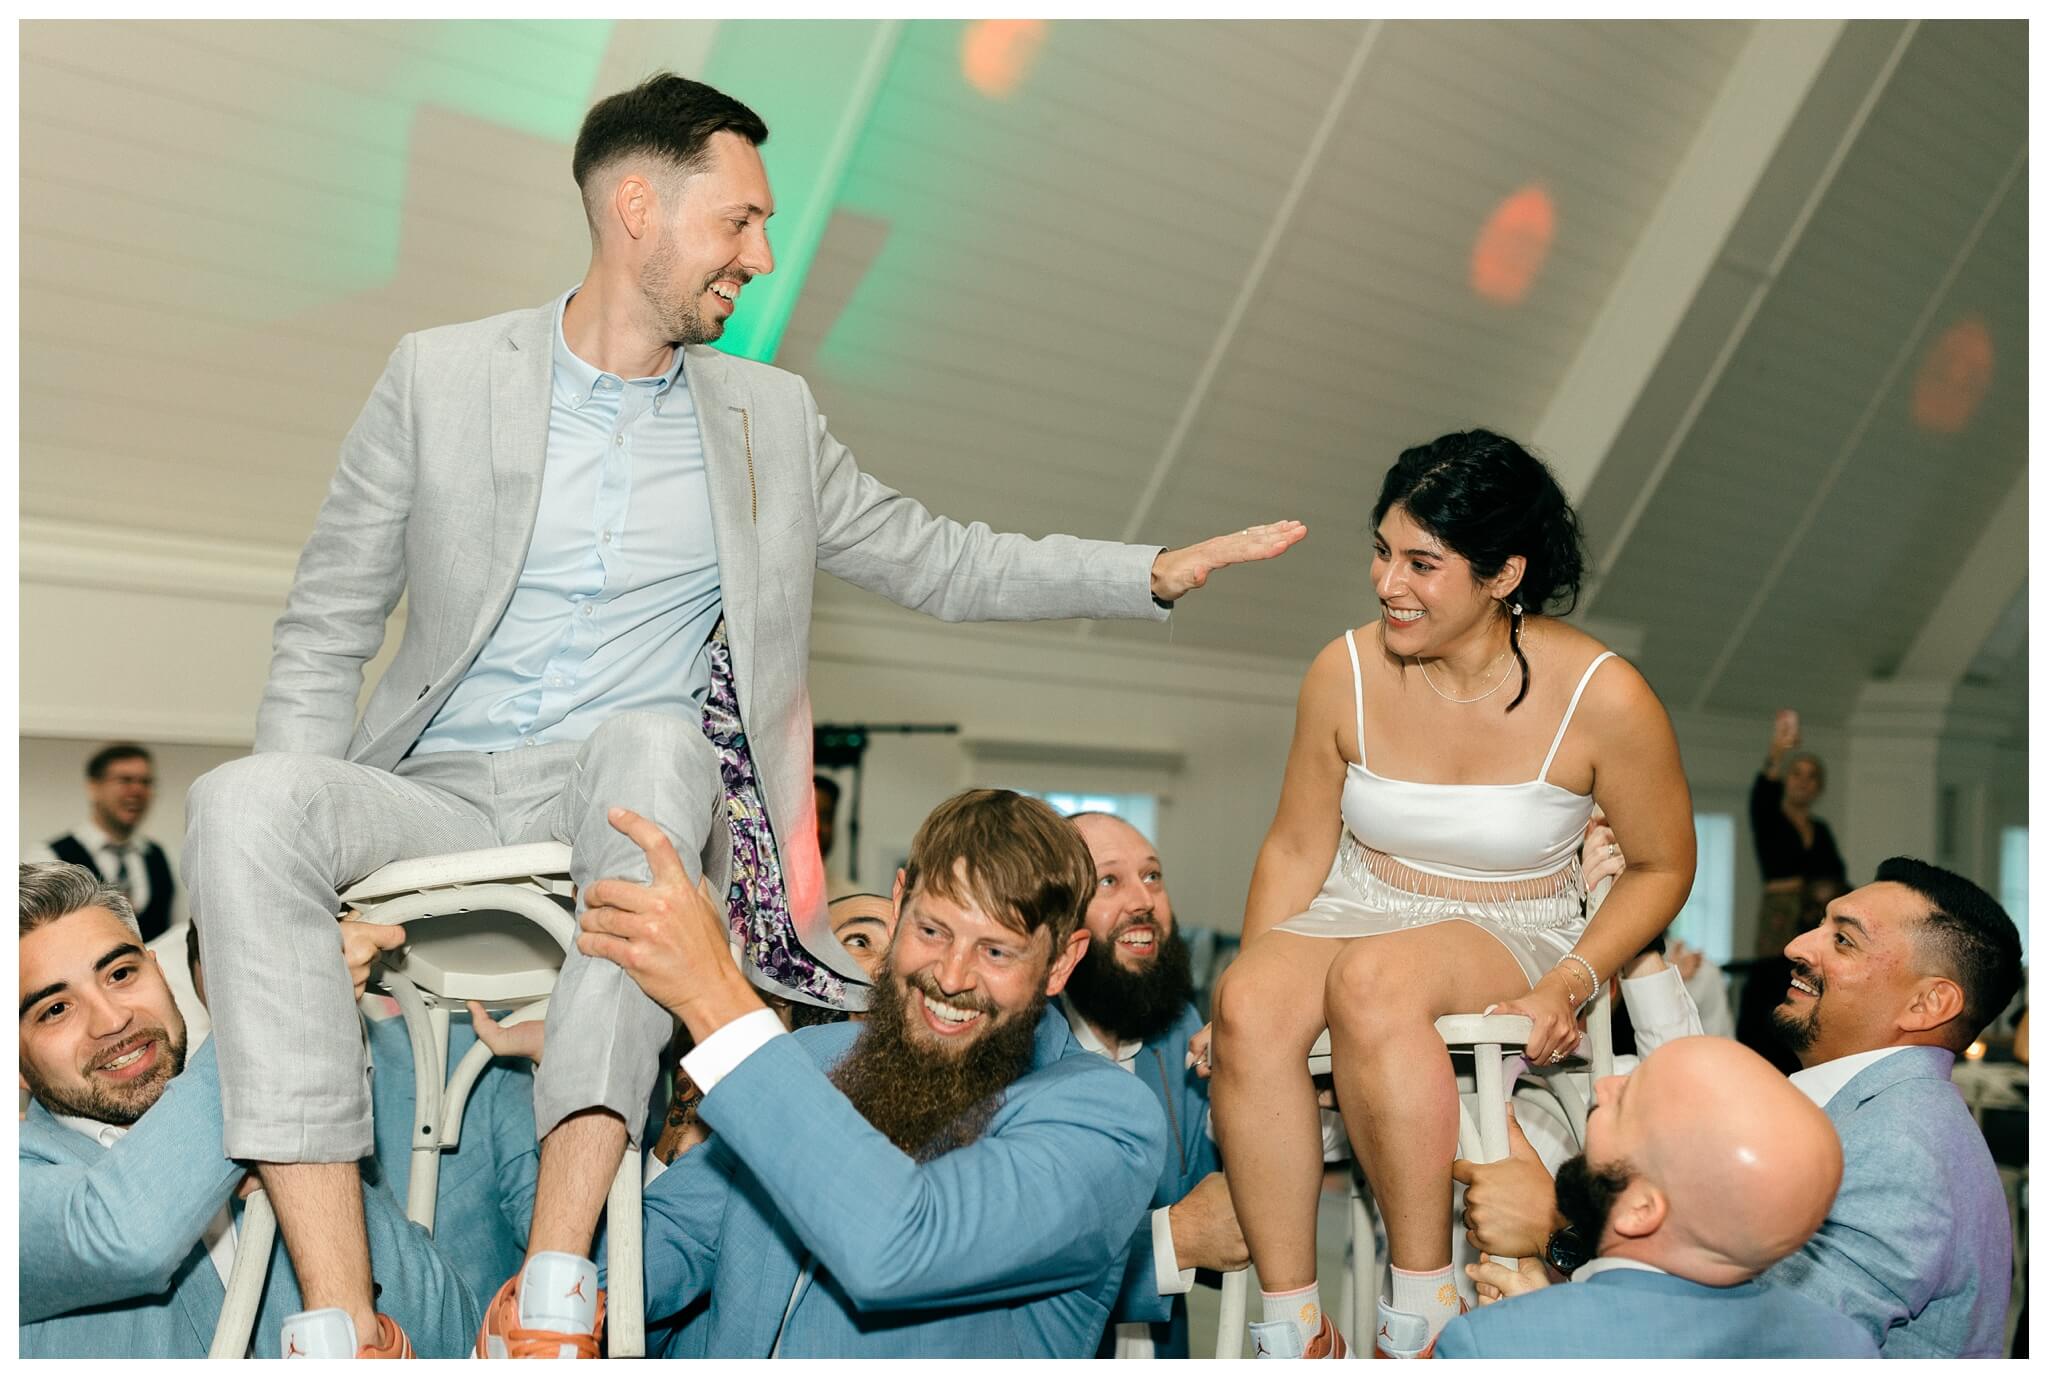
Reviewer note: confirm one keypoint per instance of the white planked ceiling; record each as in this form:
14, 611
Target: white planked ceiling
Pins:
1189, 275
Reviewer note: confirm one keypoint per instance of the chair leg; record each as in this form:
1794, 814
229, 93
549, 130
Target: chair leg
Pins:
1365, 1258
1230, 1319
430, 1071
254, 1241
625, 1306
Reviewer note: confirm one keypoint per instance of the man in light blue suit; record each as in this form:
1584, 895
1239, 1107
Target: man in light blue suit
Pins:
127, 1202
1702, 1168
1900, 977
1128, 1001
953, 1178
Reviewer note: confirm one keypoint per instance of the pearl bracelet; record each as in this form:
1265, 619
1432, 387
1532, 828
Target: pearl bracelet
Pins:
1591, 975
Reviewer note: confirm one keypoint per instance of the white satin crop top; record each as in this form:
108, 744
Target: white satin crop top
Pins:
1482, 833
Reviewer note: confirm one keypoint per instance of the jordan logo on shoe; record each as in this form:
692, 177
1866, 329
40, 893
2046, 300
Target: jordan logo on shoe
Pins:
577, 1291
1384, 1335
294, 1351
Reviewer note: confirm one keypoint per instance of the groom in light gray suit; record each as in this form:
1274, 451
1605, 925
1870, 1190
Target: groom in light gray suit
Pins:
607, 533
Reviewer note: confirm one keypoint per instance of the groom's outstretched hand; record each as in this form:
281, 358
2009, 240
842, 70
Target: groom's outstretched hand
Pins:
667, 935
1179, 572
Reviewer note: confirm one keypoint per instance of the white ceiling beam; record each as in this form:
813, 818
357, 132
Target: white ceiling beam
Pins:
1984, 586
1791, 108
1908, 350
1687, 234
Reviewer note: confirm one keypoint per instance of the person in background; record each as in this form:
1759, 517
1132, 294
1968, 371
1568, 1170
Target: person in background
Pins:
1794, 849
863, 924
120, 785
1129, 1001
826, 791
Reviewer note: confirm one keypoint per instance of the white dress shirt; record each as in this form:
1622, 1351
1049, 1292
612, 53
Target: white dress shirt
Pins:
96, 840
1819, 1083
1610, 1265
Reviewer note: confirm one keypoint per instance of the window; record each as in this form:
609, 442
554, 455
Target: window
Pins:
1708, 920
1141, 811
2012, 879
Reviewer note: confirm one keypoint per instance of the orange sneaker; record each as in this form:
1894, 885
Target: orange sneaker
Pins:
554, 1309
329, 1334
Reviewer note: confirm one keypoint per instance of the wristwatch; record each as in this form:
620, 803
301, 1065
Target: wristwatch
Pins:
1565, 1251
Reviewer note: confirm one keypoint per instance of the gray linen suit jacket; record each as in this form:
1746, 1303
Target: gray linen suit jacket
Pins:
1917, 1247
436, 498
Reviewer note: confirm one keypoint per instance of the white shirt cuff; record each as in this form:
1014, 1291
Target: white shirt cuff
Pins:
1660, 1008
1173, 1279
711, 1061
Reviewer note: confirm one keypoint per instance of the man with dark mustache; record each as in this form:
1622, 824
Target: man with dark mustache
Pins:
1899, 978
1128, 1001
1701, 1169
953, 1178
127, 1229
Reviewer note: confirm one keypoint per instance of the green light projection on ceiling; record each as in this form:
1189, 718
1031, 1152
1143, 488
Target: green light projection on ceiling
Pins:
813, 83
353, 142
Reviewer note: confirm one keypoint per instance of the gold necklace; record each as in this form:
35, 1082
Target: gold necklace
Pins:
1424, 667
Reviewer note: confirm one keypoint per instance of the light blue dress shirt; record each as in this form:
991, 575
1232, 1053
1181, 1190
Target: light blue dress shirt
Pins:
619, 593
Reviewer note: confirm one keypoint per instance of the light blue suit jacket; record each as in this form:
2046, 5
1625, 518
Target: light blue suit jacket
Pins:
485, 1205
1918, 1246
1013, 1246
1630, 1314
112, 1263
1162, 1067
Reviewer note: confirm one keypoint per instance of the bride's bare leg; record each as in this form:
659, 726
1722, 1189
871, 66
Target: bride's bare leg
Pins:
1394, 1079
1268, 1013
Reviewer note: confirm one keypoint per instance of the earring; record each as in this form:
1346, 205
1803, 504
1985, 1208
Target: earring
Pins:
1515, 607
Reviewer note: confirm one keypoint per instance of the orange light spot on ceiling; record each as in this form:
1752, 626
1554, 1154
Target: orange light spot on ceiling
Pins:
1954, 377
1513, 246
996, 54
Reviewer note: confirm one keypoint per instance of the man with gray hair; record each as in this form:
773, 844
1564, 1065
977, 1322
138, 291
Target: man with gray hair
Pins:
126, 1207
606, 533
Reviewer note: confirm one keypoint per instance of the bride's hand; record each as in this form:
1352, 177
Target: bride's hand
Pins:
1550, 1009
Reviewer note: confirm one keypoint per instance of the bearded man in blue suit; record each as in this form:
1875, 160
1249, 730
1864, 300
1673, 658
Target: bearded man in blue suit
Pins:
1128, 1001
954, 1177
126, 1198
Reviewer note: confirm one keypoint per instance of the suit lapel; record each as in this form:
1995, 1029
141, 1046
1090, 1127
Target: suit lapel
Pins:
522, 380
725, 426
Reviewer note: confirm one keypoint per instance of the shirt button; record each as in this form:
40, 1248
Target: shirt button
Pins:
606, 538
618, 440
586, 609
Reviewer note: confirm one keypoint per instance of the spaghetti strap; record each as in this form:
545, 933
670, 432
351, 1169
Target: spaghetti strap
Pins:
1357, 694
1570, 708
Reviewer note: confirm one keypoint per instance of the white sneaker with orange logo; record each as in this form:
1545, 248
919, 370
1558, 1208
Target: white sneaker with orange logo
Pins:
552, 1310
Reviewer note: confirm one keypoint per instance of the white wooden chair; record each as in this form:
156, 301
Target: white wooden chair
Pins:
1490, 1042
496, 924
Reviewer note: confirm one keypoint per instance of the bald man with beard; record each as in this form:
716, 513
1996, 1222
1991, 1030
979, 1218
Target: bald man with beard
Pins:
1702, 1169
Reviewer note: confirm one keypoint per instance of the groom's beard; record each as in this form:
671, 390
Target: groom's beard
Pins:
926, 1102
1136, 1005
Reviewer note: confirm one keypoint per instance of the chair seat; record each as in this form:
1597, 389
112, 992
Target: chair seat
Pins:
480, 957
544, 863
